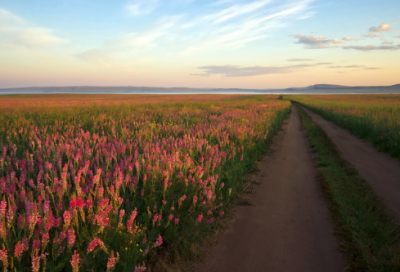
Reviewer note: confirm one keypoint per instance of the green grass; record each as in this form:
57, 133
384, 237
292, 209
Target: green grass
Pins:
368, 234
371, 117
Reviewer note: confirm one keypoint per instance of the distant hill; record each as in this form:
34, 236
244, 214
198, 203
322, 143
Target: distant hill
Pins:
314, 89
326, 86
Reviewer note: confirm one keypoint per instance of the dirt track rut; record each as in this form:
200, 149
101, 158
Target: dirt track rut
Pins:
379, 169
289, 228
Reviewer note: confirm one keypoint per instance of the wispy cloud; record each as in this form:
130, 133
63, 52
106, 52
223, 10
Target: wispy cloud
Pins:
300, 59
240, 71
372, 35
223, 24
141, 7
347, 66
312, 42
237, 71
15, 32
373, 47
258, 70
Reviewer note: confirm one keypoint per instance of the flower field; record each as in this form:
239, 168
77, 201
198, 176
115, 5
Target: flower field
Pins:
104, 187
372, 117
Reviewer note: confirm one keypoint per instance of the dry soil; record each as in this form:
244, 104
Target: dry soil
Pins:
380, 169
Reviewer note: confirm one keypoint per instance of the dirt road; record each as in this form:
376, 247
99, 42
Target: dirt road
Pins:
288, 229
379, 169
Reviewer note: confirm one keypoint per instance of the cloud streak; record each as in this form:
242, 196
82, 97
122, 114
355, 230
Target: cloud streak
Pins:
226, 24
141, 7
237, 71
15, 32
300, 59
312, 42
373, 47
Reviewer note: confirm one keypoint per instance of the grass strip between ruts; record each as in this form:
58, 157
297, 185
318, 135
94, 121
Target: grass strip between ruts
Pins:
368, 233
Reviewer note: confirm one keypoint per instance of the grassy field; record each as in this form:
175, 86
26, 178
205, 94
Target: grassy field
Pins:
102, 186
369, 236
372, 117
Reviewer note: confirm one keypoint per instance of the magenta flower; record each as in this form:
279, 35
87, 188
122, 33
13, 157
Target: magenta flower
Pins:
158, 242
71, 238
112, 261
75, 262
19, 250
35, 263
140, 268
93, 244
67, 219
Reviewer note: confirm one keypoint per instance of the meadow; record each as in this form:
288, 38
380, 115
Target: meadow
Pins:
103, 186
371, 117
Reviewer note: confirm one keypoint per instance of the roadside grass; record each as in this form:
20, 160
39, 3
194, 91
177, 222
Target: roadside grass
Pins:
374, 118
368, 233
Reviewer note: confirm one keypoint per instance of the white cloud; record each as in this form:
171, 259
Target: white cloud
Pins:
349, 39
147, 38
15, 32
141, 7
312, 42
252, 23
374, 31
385, 27
224, 24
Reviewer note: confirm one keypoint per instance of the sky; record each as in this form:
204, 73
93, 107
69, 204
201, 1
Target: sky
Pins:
249, 44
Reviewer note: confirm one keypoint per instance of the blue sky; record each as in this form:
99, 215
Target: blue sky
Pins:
226, 43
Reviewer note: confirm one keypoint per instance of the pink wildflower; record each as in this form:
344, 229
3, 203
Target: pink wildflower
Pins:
19, 250
4, 257
176, 221
140, 268
112, 261
75, 262
35, 263
222, 213
199, 218
93, 244
166, 183
67, 218
158, 242
71, 238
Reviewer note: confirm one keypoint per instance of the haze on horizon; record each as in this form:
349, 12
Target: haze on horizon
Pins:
199, 43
